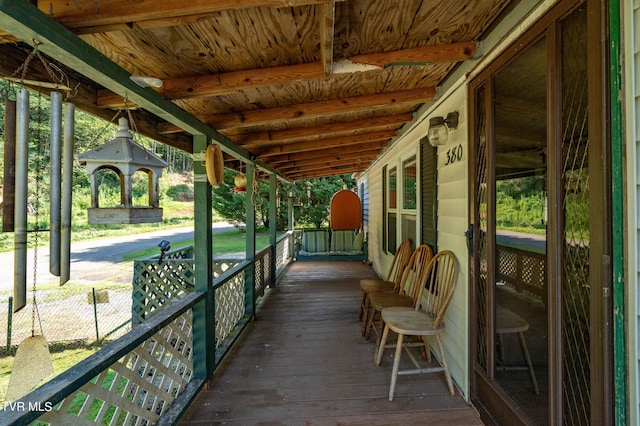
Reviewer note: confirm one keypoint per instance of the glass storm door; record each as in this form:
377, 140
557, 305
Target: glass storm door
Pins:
537, 231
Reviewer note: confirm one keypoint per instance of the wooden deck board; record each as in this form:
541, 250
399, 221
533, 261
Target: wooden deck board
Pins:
304, 362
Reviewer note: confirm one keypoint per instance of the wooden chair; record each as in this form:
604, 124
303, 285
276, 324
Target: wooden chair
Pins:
391, 283
423, 320
411, 285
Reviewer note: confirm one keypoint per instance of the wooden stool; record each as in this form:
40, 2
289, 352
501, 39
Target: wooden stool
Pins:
509, 322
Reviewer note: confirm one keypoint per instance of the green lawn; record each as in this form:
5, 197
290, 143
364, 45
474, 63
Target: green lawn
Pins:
224, 242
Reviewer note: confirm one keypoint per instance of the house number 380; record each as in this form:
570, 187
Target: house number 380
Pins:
454, 155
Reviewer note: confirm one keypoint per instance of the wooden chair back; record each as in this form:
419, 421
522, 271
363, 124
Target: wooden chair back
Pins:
440, 283
416, 272
400, 260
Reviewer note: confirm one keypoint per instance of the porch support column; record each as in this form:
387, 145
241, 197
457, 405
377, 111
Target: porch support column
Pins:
273, 222
290, 211
250, 227
204, 347
620, 343
292, 246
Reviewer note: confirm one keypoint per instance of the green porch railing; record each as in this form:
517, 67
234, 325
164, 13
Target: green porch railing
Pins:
147, 376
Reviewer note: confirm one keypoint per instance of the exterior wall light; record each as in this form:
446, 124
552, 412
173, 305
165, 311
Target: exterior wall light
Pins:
439, 128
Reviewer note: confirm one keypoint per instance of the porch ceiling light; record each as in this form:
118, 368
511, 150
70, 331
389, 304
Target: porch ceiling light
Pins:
439, 128
146, 81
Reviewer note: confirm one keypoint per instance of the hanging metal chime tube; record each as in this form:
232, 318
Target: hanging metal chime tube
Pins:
67, 181
55, 182
9, 165
20, 214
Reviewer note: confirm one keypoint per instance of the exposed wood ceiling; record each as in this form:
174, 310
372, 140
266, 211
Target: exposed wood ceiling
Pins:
309, 87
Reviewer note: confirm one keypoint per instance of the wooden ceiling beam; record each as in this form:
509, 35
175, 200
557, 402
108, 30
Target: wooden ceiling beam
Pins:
311, 110
342, 128
323, 143
342, 152
299, 165
327, 17
312, 169
454, 52
232, 82
319, 109
90, 13
362, 158
329, 171
227, 83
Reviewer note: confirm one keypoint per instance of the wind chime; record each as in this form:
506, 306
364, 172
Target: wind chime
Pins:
32, 363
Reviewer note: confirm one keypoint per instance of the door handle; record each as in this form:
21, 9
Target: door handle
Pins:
469, 234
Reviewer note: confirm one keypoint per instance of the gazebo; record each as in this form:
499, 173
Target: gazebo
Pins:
125, 157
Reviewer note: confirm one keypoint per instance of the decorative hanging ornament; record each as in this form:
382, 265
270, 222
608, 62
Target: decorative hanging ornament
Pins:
214, 165
241, 183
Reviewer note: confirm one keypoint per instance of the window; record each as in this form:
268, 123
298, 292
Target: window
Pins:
409, 184
392, 210
409, 200
384, 209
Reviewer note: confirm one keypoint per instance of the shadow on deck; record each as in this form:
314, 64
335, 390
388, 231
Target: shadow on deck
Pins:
304, 362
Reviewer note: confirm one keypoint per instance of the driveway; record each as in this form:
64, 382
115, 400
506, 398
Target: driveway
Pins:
97, 260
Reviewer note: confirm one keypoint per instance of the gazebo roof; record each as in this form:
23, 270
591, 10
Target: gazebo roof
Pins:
123, 150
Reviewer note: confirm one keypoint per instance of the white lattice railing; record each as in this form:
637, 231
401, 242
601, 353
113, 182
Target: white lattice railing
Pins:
140, 377
284, 251
156, 283
229, 298
132, 381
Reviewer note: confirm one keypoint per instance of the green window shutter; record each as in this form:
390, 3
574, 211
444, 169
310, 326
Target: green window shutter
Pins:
429, 190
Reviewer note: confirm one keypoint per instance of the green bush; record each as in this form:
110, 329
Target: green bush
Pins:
180, 192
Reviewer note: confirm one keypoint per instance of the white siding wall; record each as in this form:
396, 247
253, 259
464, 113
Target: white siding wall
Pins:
631, 24
452, 183
452, 222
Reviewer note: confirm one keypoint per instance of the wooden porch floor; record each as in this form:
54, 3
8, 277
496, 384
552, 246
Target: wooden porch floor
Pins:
304, 362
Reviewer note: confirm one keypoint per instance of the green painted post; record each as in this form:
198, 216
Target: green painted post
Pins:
617, 197
292, 244
203, 312
290, 209
273, 222
250, 228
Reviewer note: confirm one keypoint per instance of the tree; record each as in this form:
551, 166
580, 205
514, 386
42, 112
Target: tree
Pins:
232, 205
228, 203
315, 198
312, 195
